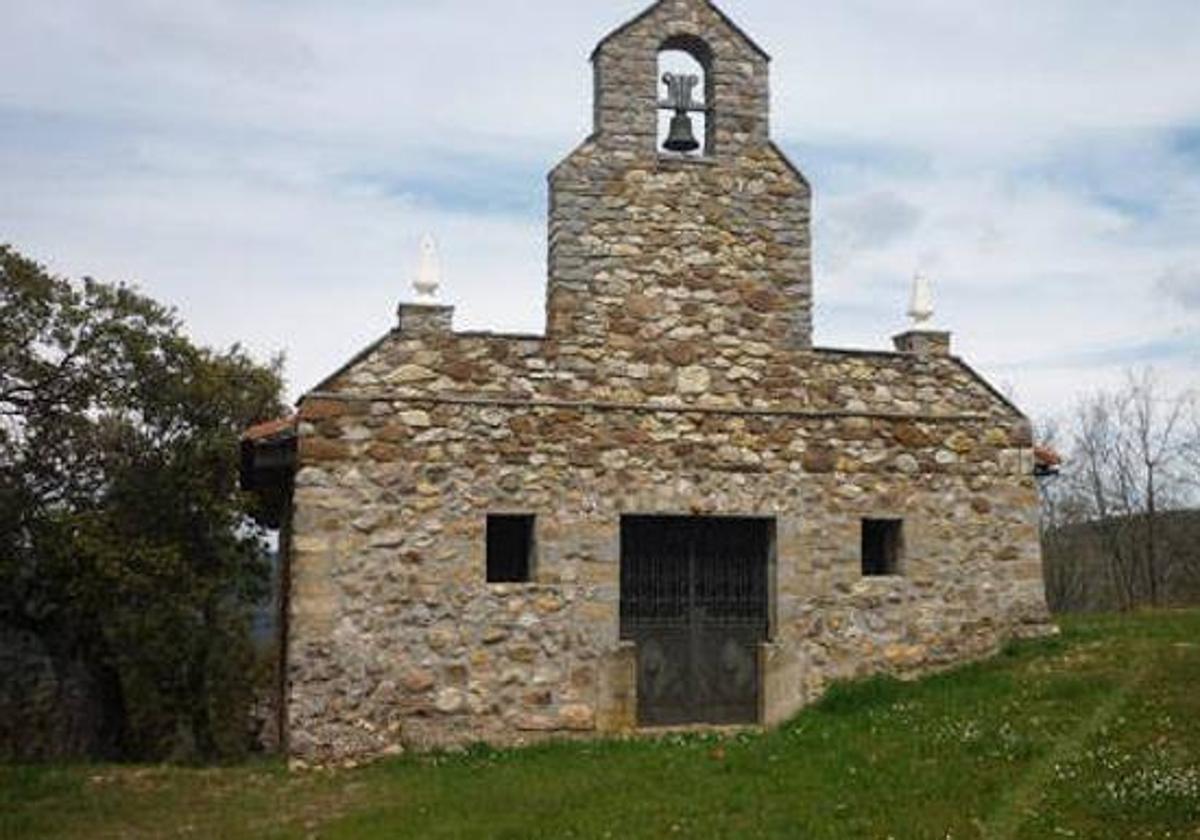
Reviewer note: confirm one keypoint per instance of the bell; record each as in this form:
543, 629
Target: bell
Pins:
681, 138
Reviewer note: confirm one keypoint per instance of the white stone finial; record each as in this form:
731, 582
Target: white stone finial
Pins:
920, 309
429, 271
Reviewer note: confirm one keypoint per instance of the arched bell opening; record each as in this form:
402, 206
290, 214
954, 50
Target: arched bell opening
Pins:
685, 119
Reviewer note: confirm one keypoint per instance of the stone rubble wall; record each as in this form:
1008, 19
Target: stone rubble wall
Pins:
398, 641
46, 713
653, 247
628, 86
744, 374
678, 251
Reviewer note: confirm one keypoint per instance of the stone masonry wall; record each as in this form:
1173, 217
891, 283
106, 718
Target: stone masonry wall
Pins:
397, 640
708, 247
627, 83
743, 374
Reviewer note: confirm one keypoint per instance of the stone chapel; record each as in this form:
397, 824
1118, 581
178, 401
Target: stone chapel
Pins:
669, 510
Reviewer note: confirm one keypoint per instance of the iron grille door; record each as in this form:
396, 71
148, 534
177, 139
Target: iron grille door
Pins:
694, 600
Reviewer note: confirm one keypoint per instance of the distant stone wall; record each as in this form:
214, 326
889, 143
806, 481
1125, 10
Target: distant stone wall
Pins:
45, 714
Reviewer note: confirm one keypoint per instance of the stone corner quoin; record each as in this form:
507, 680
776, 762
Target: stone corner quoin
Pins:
677, 379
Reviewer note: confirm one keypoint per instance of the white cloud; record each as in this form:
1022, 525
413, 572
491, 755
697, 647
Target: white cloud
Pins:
1181, 285
307, 269
268, 167
984, 78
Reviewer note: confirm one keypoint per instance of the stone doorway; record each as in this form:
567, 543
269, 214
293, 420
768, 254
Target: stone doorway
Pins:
694, 599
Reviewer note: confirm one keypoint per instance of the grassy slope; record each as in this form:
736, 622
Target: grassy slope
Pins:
1096, 734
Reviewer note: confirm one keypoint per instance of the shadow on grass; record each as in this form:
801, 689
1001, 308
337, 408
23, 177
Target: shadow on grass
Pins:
852, 698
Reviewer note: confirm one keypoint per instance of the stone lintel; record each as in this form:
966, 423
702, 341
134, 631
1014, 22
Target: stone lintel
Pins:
923, 342
419, 318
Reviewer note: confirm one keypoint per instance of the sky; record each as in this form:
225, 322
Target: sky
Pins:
268, 167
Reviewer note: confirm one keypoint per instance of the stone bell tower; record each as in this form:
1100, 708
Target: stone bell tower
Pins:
659, 246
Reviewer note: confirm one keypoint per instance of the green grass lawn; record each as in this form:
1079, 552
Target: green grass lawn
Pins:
1092, 735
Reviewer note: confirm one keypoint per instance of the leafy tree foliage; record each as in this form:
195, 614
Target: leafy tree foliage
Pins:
126, 547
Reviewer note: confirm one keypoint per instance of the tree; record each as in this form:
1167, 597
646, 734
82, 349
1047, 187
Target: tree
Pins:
1064, 579
126, 548
1126, 479
1105, 490
1191, 445
1152, 425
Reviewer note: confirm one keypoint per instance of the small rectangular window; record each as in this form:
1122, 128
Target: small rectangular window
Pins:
882, 547
510, 549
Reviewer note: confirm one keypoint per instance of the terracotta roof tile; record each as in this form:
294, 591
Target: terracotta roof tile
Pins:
1046, 457
269, 430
